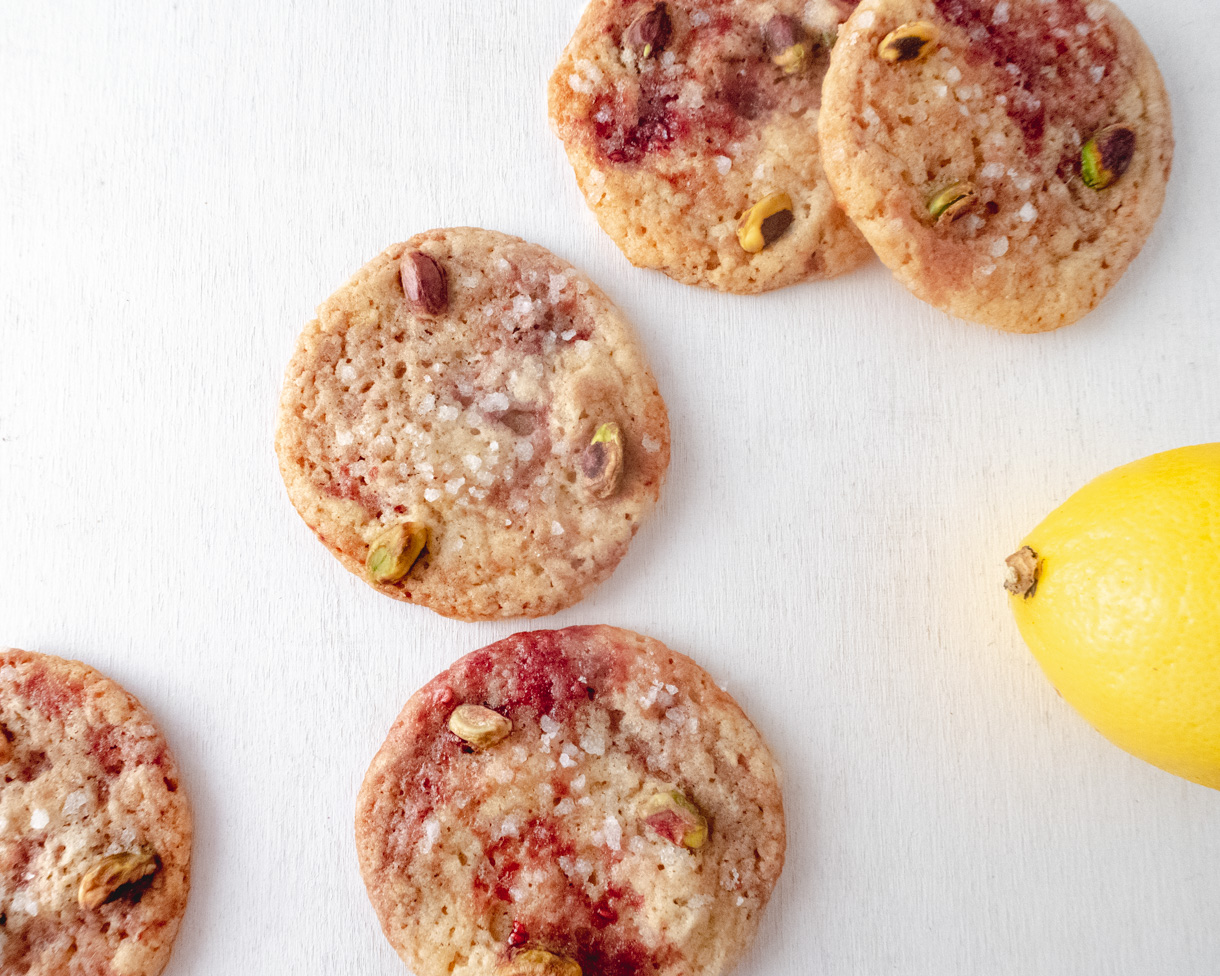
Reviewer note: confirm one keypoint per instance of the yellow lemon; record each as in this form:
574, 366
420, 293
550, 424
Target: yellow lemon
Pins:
1117, 593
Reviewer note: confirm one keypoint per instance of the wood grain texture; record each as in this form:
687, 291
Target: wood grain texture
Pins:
184, 182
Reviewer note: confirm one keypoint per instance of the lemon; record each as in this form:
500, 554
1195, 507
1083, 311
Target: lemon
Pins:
1117, 593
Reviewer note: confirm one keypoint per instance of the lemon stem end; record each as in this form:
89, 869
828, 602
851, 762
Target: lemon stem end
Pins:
1024, 567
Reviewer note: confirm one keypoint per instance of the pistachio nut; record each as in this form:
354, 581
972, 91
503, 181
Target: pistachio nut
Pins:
424, 282
1106, 156
480, 726
786, 43
765, 222
910, 42
538, 962
676, 819
954, 201
394, 552
601, 462
1024, 566
650, 32
103, 881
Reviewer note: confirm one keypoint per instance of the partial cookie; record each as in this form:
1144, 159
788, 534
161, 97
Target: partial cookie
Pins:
469, 424
95, 829
1006, 159
571, 801
678, 118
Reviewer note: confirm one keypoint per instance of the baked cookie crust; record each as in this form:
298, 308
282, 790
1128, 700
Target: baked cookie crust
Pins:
472, 423
87, 776
548, 838
1010, 93
671, 147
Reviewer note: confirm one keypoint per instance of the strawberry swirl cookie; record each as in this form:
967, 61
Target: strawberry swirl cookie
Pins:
95, 830
693, 130
567, 802
469, 424
1006, 159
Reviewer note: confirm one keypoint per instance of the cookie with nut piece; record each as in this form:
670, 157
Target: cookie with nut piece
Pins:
1006, 159
693, 131
95, 828
471, 425
577, 802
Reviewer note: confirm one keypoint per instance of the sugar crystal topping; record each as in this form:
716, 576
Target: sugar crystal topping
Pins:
704, 94
1054, 55
475, 429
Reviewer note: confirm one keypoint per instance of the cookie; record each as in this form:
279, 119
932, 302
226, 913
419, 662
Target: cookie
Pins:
962, 138
679, 118
571, 798
95, 829
472, 394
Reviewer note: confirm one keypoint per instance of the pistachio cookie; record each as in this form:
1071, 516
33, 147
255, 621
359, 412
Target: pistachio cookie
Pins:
567, 802
470, 424
1006, 159
95, 830
693, 130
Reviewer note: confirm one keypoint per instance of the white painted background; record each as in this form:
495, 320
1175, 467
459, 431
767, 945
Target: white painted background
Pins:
181, 183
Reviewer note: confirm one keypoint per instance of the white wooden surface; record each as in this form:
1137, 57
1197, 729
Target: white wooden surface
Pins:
181, 183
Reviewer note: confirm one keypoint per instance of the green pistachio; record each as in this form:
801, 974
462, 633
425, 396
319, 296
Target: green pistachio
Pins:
952, 202
1106, 156
395, 551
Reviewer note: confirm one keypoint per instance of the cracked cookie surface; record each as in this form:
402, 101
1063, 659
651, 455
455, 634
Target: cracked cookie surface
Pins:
87, 775
550, 838
671, 147
1003, 104
472, 422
